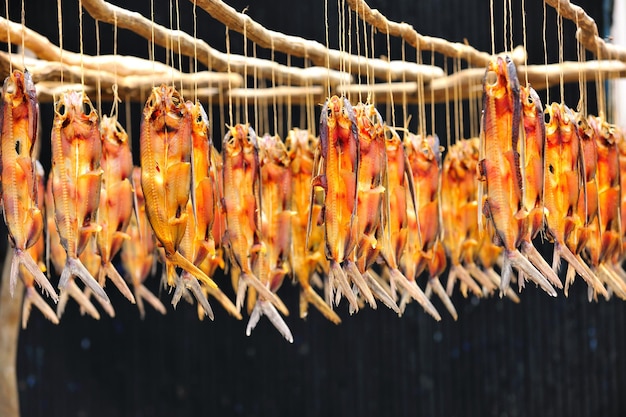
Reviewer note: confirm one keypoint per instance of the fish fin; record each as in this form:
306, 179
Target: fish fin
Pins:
581, 268
142, 293
32, 298
267, 309
414, 291
438, 289
72, 290
337, 274
24, 258
381, 292
74, 267
309, 296
249, 279
353, 273
119, 282
520, 262
535, 258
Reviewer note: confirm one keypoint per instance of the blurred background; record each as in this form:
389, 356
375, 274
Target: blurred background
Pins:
542, 357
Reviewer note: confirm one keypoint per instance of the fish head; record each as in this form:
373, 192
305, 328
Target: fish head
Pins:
113, 135
74, 106
165, 108
531, 103
500, 77
272, 150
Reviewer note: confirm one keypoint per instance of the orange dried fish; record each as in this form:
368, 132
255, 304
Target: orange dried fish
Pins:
166, 151
55, 254
197, 243
459, 206
534, 141
116, 200
336, 171
500, 167
270, 263
138, 251
36, 251
76, 176
372, 209
19, 111
561, 193
305, 259
241, 196
604, 241
425, 250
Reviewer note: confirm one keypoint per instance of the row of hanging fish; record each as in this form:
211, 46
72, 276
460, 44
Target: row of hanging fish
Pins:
358, 212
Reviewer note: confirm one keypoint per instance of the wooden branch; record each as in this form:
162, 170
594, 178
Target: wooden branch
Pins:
279, 93
10, 312
587, 33
199, 49
413, 38
315, 51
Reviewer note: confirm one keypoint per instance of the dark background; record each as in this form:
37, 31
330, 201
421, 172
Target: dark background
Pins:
543, 357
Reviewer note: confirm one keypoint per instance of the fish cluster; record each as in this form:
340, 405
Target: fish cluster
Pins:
356, 213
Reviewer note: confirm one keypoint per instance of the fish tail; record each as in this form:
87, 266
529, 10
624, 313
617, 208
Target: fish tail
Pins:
309, 296
32, 298
521, 263
267, 309
415, 292
535, 258
72, 290
24, 258
142, 293
337, 274
438, 289
380, 292
581, 268
355, 276
119, 282
74, 267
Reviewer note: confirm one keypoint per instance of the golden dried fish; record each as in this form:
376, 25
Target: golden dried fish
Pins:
116, 200
166, 151
561, 189
373, 209
425, 249
36, 251
500, 168
76, 176
19, 111
534, 142
241, 196
305, 259
197, 243
138, 251
271, 262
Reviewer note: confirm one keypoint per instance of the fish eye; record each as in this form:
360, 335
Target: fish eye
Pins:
87, 108
175, 99
491, 78
61, 109
11, 87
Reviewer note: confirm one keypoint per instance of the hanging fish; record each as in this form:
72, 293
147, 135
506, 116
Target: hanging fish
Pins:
500, 167
563, 180
373, 209
36, 251
197, 243
425, 249
166, 180
241, 195
271, 262
459, 207
603, 245
116, 200
138, 251
534, 143
76, 177
19, 111
336, 171
306, 260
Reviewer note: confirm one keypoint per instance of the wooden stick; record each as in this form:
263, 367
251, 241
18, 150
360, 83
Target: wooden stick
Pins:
199, 49
10, 312
315, 51
587, 33
413, 38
